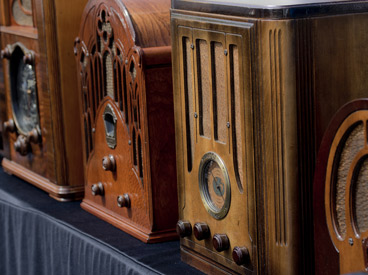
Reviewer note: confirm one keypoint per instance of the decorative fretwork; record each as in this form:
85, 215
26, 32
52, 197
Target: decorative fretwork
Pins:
110, 68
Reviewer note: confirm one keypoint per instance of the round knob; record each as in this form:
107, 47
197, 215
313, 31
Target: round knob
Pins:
21, 145
184, 229
240, 255
28, 58
34, 136
9, 126
5, 53
201, 231
124, 201
97, 189
108, 163
220, 242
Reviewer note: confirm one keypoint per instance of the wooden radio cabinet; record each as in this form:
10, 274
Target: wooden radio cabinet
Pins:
341, 191
255, 86
41, 100
124, 62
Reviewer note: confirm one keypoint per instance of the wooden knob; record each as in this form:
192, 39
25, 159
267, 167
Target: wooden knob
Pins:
241, 255
21, 145
9, 126
201, 231
28, 58
221, 242
97, 189
124, 201
5, 53
108, 163
184, 229
34, 136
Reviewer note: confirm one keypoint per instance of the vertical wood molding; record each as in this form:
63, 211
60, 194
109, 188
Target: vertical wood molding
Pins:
306, 139
54, 87
278, 137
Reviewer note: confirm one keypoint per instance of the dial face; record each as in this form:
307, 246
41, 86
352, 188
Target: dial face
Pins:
24, 95
214, 185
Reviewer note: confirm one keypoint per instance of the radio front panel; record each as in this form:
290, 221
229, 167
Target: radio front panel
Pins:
217, 187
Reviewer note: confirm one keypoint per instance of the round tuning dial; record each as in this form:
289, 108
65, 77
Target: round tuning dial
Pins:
28, 58
21, 145
9, 126
109, 163
34, 136
124, 201
201, 231
221, 242
97, 189
241, 255
184, 229
5, 53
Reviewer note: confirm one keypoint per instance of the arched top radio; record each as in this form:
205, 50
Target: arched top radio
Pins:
124, 64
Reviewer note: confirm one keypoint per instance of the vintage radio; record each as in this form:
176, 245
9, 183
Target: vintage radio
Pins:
124, 62
340, 193
40, 82
255, 85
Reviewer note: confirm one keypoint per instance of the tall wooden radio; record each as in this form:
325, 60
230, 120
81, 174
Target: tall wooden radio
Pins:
40, 83
255, 86
124, 61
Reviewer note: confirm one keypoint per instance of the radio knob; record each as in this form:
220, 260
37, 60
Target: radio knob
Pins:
34, 136
9, 126
220, 242
124, 201
97, 189
21, 145
184, 229
241, 255
28, 58
108, 163
5, 53
201, 231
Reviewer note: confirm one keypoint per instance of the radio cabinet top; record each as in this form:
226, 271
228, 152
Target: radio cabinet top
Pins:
275, 9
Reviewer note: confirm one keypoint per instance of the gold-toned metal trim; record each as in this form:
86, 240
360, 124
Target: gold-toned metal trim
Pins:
203, 188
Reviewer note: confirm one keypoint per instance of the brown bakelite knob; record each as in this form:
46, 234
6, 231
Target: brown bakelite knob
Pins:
9, 126
124, 201
28, 58
220, 242
240, 255
34, 136
201, 231
5, 53
108, 163
184, 229
97, 189
21, 145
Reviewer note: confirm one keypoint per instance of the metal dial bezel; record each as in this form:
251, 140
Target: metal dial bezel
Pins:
25, 51
203, 187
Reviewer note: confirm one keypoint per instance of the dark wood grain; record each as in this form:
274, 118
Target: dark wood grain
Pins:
55, 158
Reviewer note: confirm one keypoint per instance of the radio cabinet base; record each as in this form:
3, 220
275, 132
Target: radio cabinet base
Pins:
60, 193
126, 226
203, 263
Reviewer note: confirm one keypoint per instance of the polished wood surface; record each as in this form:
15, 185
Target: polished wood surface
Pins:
54, 157
296, 74
124, 62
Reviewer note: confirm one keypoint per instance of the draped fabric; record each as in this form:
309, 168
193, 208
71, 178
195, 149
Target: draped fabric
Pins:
39, 235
